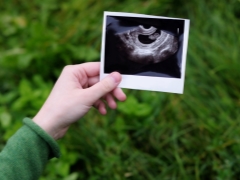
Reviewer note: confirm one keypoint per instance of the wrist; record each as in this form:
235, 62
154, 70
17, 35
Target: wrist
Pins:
49, 126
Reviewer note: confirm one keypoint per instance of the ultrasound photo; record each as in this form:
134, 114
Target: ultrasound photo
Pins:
143, 45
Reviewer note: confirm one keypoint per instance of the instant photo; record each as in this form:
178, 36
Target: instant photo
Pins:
149, 51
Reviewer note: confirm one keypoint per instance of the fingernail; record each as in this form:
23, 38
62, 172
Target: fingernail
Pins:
116, 76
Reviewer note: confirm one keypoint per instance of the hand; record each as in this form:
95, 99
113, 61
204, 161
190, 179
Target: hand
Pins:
75, 92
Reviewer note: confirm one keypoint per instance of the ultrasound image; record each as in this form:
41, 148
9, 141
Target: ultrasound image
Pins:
144, 46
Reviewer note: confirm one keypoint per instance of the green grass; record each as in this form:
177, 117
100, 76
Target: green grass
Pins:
152, 135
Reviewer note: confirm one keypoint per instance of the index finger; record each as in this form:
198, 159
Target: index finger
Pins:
91, 69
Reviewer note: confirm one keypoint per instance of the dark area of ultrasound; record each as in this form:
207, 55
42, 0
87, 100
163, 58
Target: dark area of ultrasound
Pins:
114, 61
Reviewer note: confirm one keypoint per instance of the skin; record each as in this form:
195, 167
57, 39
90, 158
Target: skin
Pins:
75, 92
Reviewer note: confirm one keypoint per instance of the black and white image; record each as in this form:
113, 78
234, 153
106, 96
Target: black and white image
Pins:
149, 51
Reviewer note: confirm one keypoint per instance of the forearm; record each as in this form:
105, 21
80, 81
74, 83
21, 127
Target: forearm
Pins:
26, 153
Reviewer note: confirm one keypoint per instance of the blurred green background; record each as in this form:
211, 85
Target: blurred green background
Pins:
152, 135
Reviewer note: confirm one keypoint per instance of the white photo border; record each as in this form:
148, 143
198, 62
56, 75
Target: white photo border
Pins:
171, 85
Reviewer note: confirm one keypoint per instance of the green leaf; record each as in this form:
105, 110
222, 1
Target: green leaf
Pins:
72, 176
25, 87
133, 107
5, 119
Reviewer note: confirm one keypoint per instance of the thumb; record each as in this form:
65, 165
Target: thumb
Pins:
103, 87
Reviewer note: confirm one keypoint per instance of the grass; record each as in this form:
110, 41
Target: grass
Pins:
151, 135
